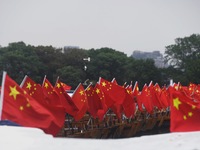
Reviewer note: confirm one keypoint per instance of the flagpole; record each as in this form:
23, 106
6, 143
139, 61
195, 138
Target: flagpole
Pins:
2, 93
44, 80
22, 83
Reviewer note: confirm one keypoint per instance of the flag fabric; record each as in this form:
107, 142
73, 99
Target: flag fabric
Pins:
184, 112
92, 109
65, 86
164, 97
136, 90
145, 99
65, 99
155, 95
35, 90
50, 94
129, 106
100, 101
80, 99
17, 106
114, 81
117, 109
115, 92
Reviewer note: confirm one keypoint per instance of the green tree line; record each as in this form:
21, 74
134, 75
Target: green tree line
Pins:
19, 59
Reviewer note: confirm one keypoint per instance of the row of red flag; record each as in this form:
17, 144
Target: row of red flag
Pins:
45, 106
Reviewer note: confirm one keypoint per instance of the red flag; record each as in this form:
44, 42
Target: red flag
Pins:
35, 91
65, 86
51, 95
92, 109
100, 101
145, 98
114, 81
129, 103
155, 92
115, 92
117, 109
136, 89
21, 108
164, 97
184, 112
65, 99
80, 99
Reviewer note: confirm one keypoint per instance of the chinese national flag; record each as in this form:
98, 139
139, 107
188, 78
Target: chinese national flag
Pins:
129, 104
50, 94
164, 97
65, 86
185, 112
136, 90
91, 102
155, 92
100, 102
35, 91
117, 109
65, 99
19, 107
145, 99
115, 92
80, 99
114, 81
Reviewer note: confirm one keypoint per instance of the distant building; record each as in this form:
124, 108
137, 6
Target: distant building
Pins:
155, 55
69, 48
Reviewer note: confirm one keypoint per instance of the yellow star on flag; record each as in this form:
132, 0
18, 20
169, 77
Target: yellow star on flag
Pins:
104, 84
46, 85
97, 91
13, 92
81, 92
28, 86
58, 85
176, 103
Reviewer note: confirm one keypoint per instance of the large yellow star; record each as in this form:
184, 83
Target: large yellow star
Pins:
81, 92
176, 103
88, 89
58, 85
14, 92
97, 91
103, 84
28, 86
46, 85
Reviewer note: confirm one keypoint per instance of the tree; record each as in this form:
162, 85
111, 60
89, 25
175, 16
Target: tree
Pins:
71, 76
107, 63
19, 60
142, 70
184, 55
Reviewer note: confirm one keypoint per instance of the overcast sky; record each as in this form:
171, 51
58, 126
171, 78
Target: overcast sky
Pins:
124, 25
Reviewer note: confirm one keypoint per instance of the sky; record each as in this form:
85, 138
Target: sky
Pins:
22, 138
123, 25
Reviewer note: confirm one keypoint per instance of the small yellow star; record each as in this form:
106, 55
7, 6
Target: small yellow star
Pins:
21, 108
88, 89
193, 106
190, 114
